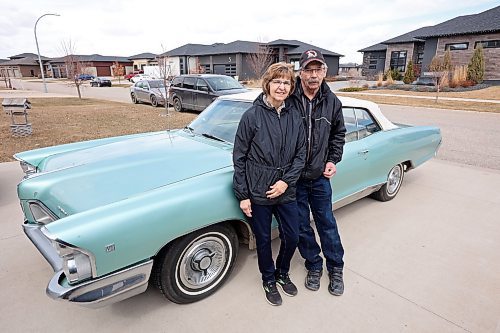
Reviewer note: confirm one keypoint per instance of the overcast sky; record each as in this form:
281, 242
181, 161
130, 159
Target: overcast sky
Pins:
126, 28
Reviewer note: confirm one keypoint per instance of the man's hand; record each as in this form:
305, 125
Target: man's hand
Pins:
277, 189
330, 170
246, 207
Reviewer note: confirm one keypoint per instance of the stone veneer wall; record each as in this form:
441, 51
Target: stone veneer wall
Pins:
462, 57
408, 47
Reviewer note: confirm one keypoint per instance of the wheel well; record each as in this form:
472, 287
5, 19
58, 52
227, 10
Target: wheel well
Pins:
407, 165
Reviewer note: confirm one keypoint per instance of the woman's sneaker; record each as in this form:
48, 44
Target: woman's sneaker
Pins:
283, 280
273, 296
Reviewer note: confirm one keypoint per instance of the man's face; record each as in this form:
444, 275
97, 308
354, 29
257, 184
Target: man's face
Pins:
312, 75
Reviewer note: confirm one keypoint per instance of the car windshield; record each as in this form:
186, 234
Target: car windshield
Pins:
220, 119
223, 83
156, 84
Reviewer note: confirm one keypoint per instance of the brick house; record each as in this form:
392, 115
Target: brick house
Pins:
22, 65
233, 58
141, 60
460, 35
94, 64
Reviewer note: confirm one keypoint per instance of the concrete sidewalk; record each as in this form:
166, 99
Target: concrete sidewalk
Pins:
29, 94
424, 97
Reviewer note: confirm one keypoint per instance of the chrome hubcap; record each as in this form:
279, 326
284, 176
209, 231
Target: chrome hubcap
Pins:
203, 262
394, 179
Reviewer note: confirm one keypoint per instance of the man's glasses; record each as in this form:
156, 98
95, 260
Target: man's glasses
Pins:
310, 71
286, 83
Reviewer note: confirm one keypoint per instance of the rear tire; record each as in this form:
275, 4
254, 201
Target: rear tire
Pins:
194, 266
393, 184
154, 101
177, 104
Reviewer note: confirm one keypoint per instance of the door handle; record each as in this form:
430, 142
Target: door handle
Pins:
363, 152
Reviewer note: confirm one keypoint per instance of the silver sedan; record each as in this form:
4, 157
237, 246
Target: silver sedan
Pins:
149, 91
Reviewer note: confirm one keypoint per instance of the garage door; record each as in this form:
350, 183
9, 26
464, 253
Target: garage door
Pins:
103, 70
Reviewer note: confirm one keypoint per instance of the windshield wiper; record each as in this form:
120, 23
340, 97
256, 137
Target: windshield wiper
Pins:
210, 136
190, 129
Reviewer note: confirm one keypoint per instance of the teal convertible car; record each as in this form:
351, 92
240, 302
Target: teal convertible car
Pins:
111, 215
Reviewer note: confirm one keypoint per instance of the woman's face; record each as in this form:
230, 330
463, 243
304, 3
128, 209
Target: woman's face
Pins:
279, 89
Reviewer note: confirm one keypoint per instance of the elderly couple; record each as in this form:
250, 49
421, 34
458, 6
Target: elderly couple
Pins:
285, 152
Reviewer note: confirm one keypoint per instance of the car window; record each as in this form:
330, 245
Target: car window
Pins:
358, 123
189, 82
220, 119
218, 83
156, 84
177, 82
200, 84
139, 85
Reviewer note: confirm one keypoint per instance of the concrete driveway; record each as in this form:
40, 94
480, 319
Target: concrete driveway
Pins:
425, 262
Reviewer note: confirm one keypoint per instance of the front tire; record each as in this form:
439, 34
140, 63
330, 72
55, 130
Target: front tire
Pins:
154, 101
134, 98
194, 266
393, 184
177, 104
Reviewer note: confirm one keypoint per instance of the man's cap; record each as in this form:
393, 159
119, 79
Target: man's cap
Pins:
310, 56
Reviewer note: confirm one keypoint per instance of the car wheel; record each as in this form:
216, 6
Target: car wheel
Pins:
196, 265
393, 184
134, 98
177, 104
91, 84
154, 100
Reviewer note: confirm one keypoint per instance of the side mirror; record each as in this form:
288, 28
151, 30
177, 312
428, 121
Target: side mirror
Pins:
204, 88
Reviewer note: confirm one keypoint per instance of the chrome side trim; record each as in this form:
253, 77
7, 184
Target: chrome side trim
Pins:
105, 290
43, 244
356, 196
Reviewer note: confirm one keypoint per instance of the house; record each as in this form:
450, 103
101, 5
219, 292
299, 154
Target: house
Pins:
460, 35
94, 64
22, 65
235, 58
143, 59
350, 69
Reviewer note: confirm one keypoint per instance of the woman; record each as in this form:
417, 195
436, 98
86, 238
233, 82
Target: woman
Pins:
269, 154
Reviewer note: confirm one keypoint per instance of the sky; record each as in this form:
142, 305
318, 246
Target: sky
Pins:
126, 28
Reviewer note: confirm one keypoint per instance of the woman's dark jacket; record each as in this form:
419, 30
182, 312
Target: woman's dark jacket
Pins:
268, 147
324, 126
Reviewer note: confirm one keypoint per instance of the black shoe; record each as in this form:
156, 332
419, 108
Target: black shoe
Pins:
336, 285
313, 279
273, 296
287, 286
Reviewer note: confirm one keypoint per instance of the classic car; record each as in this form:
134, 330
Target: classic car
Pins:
111, 214
149, 91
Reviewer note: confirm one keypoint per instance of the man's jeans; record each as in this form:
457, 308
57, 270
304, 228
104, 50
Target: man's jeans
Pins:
288, 226
317, 194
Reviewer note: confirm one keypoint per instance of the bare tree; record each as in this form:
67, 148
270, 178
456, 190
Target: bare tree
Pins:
260, 60
165, 70
74, 65
4, 75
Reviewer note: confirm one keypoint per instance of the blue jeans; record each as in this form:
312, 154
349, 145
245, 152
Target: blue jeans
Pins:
288, 226
317, 194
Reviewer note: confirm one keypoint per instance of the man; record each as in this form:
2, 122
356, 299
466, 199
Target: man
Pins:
325, 133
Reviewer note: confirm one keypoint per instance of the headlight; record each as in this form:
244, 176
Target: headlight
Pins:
77, 264
40, 213
28, 169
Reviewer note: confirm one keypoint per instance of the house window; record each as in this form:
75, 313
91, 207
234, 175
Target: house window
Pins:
488, 44
372, 67
456, 46
420, 57
398, 60
373, 62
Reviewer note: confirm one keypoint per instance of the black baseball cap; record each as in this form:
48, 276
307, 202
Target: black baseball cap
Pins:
310, 56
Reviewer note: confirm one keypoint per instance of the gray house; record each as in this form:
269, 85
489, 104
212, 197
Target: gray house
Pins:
234, 58
460, 35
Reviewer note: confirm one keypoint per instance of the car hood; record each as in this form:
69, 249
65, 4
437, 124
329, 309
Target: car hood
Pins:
79, 180
230, 91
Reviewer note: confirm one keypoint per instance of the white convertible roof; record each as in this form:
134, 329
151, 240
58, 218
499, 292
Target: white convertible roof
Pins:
374, 109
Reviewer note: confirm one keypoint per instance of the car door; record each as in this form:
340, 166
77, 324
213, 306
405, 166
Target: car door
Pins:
357, 170
143, 91
187, 91
202, 97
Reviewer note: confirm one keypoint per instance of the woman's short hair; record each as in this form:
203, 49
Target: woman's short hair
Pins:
276, 71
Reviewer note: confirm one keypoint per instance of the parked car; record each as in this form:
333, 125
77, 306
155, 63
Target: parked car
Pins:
132, 74
111, 214
85, 77
197, 91
149, 91
139, 77
100, 82
425, 81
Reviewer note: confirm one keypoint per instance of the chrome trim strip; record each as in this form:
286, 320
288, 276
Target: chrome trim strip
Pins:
43, 244
105, 290
357, 195
43, 207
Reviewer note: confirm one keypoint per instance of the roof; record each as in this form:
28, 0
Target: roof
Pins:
484, 22
92, 58
28, 55
239, 46
21, 62
374, 48
408, 37
146, 55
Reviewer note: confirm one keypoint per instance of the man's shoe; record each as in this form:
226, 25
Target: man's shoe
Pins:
273, 296
287, 286
313, 279
336, 285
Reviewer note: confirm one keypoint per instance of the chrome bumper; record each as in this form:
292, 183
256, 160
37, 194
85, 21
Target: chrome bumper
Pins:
94, 293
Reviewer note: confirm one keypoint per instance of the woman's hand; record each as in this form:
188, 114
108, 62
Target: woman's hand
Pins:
246, 207
277, 189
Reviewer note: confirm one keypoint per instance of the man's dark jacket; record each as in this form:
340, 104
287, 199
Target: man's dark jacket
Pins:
268, 147
325, 130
